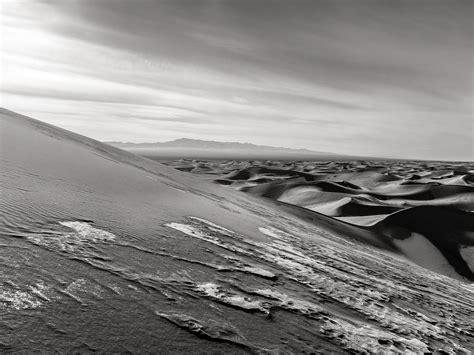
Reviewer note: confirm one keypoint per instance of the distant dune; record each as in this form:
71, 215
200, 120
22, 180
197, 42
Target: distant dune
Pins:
424, 210
201, 149
105, 251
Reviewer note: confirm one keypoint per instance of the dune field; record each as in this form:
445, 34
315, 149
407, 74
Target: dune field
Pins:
105, 251
424, 208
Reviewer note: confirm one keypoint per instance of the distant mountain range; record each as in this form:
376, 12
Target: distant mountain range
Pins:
202, 144
196, 148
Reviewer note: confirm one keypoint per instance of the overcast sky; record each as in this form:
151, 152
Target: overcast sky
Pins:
381, 78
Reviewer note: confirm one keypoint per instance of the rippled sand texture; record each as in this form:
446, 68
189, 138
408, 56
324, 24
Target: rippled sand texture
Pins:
423, 209
104, 251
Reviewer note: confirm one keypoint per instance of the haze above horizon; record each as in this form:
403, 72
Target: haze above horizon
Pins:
366, 78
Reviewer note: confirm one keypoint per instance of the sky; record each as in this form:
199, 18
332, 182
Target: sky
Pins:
389, 78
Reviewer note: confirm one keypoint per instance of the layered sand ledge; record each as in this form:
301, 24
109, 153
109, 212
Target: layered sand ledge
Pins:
102, 250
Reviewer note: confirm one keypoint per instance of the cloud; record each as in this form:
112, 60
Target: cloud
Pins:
391, 78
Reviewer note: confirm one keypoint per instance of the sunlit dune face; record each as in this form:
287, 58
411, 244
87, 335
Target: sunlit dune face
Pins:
377, 79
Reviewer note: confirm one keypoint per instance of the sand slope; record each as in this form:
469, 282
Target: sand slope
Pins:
448, 230
101, 250
434, 201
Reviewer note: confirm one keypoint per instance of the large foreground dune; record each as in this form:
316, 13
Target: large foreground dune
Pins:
102, 250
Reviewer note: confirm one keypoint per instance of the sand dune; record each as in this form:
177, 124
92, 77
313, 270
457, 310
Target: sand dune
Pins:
447, 229
105, 251
380, 196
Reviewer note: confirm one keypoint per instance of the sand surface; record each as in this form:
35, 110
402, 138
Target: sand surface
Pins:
394, 199
102, 250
